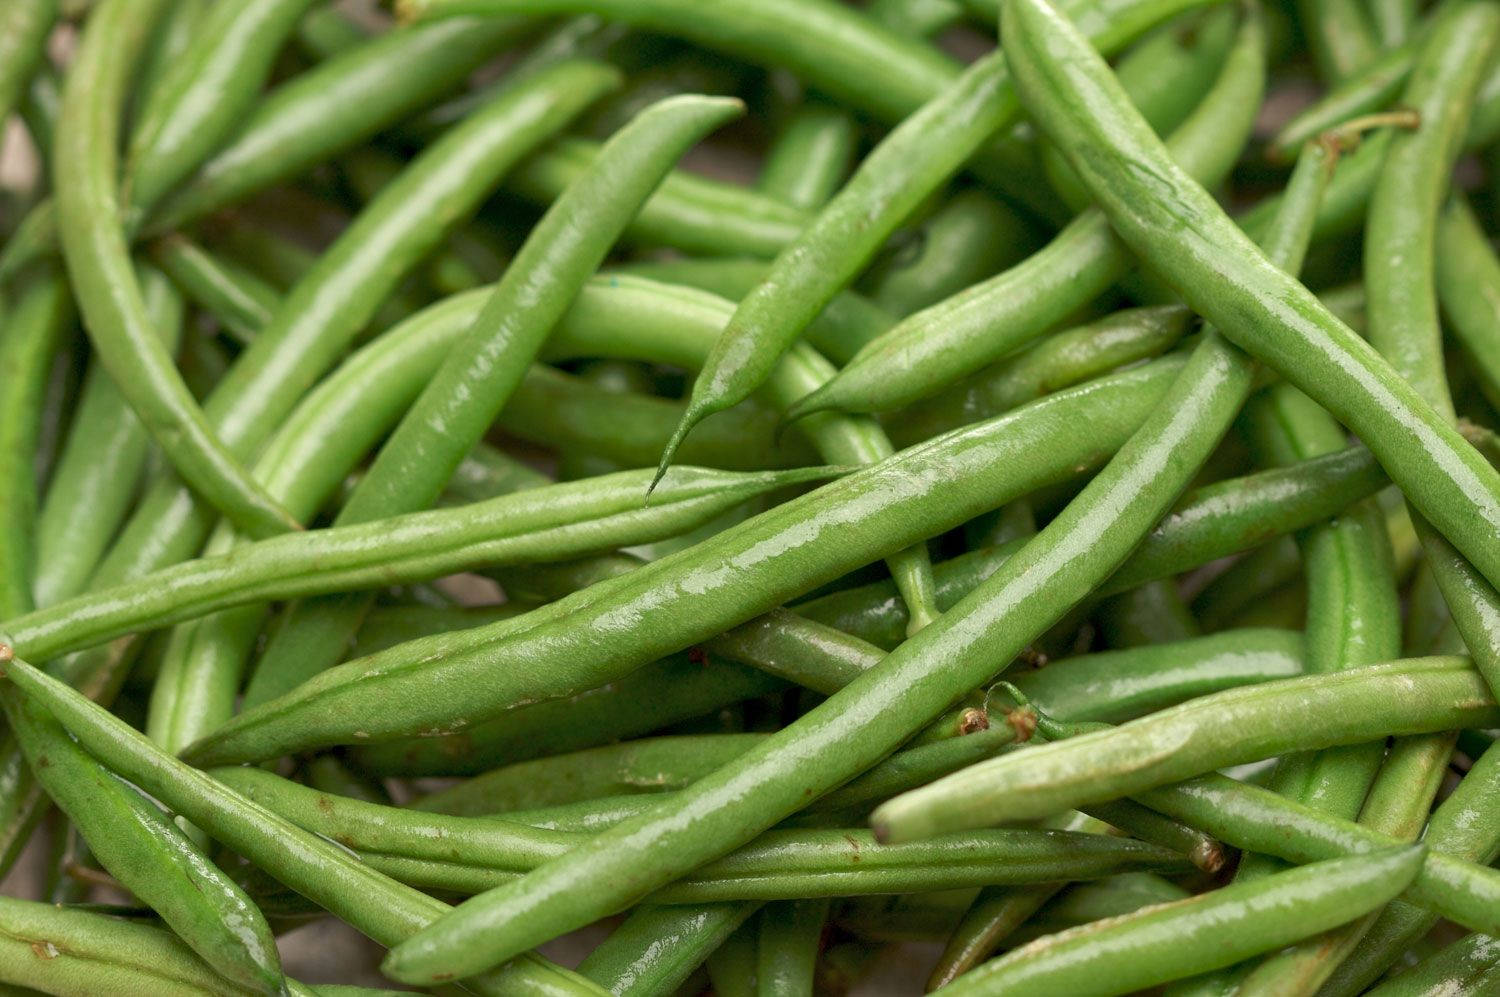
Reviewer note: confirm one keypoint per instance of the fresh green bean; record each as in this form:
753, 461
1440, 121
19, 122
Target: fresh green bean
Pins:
110, 299
483, 369
845, 324
23, 37
1403, 697
688, 212
1467, 966
981, 324
1060, 360
204, 94
587, 515
810, 157
65, 950
649, 765
336, 105
31, 330
146, 852
1224, 277
99, 468
657, 948
1169, 941
1468, 285
791, 932
1212, 522
320, 870
971, 236
240, 301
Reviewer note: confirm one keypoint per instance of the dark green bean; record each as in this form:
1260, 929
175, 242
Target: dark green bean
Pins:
791, 933
1468, 285
1470, 965
240, 301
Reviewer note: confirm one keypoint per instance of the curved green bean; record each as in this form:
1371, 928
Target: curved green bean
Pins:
99, 469
98, 259
24, 27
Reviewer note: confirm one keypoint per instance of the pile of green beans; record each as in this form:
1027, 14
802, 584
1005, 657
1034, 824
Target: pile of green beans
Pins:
782, 497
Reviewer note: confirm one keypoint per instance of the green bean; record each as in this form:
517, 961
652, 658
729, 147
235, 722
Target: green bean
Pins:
810, 157
1270, 569
1392, 20
320, 870
1225, 728
1404, 207
917, 156
968, 238
23, 39
649, 765
845, 324
146, 852
916, 17
1468, 281
1452, 830
205, 93
335, 106
1111, 686
64, 950
1165, 74
688, 212
99, 468
170, 39
1398, 803
1223, 276
674, 689
983, 323
1212, 522
791, 932
240, 301
1168, 941
482, 370
567, 414
1153, 613
1467, 966
109, 297
1060, 360
387, 626
39, 108
657, 948
325, 32
31, 330
587, 515
887, 493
